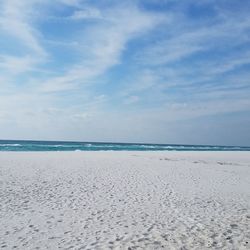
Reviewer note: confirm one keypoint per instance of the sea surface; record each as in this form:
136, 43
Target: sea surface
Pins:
7, 145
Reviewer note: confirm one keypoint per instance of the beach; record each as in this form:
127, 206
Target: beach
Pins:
125, 200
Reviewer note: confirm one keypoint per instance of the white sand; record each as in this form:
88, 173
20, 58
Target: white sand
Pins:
125, 200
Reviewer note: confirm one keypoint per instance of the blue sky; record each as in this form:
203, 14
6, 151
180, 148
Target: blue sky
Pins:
160, 71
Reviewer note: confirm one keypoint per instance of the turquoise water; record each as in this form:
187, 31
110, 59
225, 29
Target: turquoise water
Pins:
6, 145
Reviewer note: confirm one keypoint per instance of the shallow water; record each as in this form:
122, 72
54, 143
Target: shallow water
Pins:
11, 145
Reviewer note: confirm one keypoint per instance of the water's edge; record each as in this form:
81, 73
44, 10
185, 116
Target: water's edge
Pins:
17, 145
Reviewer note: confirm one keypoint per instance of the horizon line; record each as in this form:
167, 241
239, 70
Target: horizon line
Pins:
130, 143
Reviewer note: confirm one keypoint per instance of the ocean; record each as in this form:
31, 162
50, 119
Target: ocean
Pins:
11, 145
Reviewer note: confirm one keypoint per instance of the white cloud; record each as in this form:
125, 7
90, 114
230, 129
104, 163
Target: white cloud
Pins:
228, 63
183, 38
70, 2
103, 44
17, 65
15, 20
100, 46
16, 24
86, 13
131, 99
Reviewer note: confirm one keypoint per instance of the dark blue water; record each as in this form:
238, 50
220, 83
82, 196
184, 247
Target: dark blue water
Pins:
6, 145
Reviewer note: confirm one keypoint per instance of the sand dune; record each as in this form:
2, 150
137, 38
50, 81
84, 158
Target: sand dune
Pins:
125, 200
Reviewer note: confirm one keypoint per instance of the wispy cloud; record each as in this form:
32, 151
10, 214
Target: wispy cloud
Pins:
186, 39
17, 65
102, 45
16, 25
86, 13
15, 20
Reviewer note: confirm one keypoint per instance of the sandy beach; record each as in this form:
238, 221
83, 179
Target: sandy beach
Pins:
125, 200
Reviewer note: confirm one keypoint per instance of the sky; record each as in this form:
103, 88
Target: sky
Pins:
156, 71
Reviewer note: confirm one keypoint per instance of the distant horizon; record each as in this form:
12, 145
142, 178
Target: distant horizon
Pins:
132, 70
129, 143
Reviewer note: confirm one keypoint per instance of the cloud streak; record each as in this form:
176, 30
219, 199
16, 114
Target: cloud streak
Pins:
15, 21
